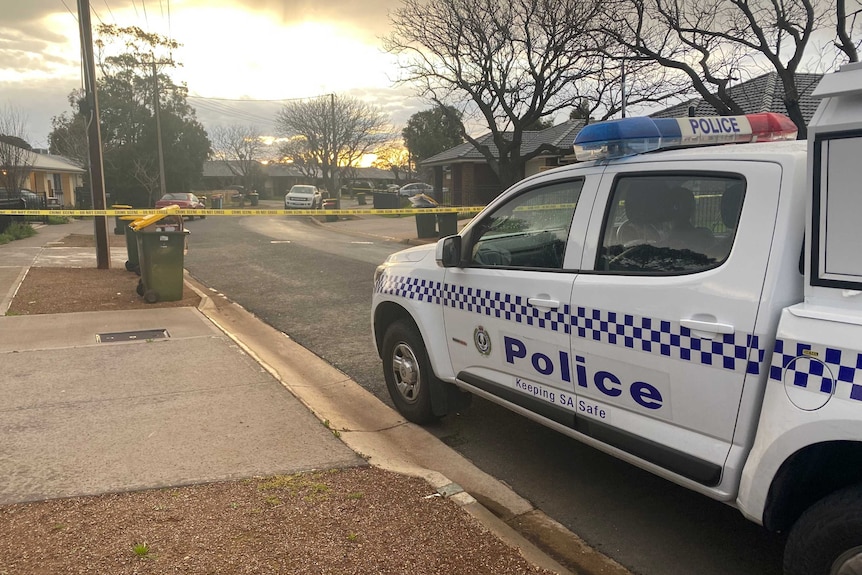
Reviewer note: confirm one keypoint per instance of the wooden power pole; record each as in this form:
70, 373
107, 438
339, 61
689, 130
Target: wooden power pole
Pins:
94, 137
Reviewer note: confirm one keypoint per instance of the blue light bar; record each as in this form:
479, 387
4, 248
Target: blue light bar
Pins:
631, 136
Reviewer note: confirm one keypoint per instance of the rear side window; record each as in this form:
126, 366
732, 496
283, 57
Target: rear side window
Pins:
529, 231
670, 223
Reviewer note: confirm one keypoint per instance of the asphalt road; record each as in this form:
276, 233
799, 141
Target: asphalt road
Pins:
316, 286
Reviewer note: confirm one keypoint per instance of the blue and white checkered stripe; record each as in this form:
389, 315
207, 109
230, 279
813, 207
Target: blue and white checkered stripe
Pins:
734, 351
418, 289
728, 351
845, 366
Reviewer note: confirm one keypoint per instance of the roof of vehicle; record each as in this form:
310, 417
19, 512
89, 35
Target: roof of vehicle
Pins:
777, 152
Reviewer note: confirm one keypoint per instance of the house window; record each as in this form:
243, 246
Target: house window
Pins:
58, 184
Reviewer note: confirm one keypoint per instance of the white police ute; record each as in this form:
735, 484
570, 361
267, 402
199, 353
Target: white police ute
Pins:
683, 300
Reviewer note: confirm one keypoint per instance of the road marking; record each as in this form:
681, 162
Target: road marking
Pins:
279, 241
363, 243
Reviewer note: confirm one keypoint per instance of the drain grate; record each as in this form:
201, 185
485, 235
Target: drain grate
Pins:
143, 334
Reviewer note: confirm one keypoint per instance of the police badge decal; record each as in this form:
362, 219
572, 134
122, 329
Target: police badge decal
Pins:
482, 340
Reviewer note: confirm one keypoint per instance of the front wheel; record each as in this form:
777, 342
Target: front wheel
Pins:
407, 371
827, 539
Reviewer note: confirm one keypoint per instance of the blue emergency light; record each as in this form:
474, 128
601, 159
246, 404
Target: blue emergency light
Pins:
631, 136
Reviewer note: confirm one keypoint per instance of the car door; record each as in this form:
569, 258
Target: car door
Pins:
506, 308
663, 321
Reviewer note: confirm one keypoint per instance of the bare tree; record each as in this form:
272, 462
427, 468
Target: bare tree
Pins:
846, 24
509, 65
295, 150
337, 131
147, 174
513, 63
16, 157
240, 148
717, 42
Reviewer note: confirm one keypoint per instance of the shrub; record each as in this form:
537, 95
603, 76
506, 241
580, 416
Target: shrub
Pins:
16, 231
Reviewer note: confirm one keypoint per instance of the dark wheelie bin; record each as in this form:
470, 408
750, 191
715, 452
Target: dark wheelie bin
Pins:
161, 242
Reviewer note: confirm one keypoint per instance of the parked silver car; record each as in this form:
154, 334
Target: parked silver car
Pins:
410, 190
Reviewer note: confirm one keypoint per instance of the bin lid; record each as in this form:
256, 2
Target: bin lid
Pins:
148, 220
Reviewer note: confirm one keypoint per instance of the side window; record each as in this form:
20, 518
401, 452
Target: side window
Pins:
530, 231
669, 223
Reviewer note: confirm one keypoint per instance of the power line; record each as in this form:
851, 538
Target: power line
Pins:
259, 100
110, 11
75, 16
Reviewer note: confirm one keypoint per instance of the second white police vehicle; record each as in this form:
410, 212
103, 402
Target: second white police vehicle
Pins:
696, 312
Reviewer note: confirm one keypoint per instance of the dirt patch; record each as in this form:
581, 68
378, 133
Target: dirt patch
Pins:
360, 520
65, 290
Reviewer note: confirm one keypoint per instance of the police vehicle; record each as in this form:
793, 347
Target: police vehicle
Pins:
680, 299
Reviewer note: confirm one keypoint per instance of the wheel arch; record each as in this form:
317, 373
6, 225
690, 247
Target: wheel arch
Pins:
445, 396
385, 315
809, 475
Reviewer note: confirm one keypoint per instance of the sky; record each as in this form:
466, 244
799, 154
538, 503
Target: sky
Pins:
232, 51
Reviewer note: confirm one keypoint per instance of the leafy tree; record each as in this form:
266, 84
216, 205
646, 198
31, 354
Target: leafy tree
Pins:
430, 132
134, 66
68, 137
394, 158
16, 157
337, 131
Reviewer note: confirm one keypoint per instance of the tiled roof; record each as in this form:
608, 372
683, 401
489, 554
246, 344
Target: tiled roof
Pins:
276, 170
762, 94
560, 136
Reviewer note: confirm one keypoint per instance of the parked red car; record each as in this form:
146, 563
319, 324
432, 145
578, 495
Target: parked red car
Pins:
184, 201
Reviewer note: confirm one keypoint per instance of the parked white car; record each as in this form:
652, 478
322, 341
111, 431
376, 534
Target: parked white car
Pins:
303, 196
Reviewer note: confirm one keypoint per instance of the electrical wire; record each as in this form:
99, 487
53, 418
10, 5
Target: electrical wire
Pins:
110, 11
75, 16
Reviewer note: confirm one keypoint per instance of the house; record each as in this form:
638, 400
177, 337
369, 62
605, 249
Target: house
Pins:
273, 179
465, 172
761, 94
54, 177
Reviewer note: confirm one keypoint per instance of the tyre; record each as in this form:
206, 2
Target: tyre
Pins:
407, 371
827, 539
151, 296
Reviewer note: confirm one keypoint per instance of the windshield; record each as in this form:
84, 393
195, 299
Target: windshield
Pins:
304, 190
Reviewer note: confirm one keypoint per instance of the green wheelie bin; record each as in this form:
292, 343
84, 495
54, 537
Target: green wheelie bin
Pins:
132, 263
161, 241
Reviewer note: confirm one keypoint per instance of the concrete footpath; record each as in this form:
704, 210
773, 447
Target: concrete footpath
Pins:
101, 402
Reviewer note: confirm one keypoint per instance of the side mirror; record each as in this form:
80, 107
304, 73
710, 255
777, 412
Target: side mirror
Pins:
449, 252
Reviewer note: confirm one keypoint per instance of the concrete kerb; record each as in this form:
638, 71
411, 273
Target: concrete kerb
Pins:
380, 435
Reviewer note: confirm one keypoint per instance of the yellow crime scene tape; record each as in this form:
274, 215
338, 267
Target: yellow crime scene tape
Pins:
243, 212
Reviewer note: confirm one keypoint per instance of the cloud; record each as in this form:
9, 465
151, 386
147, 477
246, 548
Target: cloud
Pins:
37, 102
231, 48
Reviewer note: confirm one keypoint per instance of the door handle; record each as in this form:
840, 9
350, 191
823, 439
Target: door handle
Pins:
549, 303
708, 327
